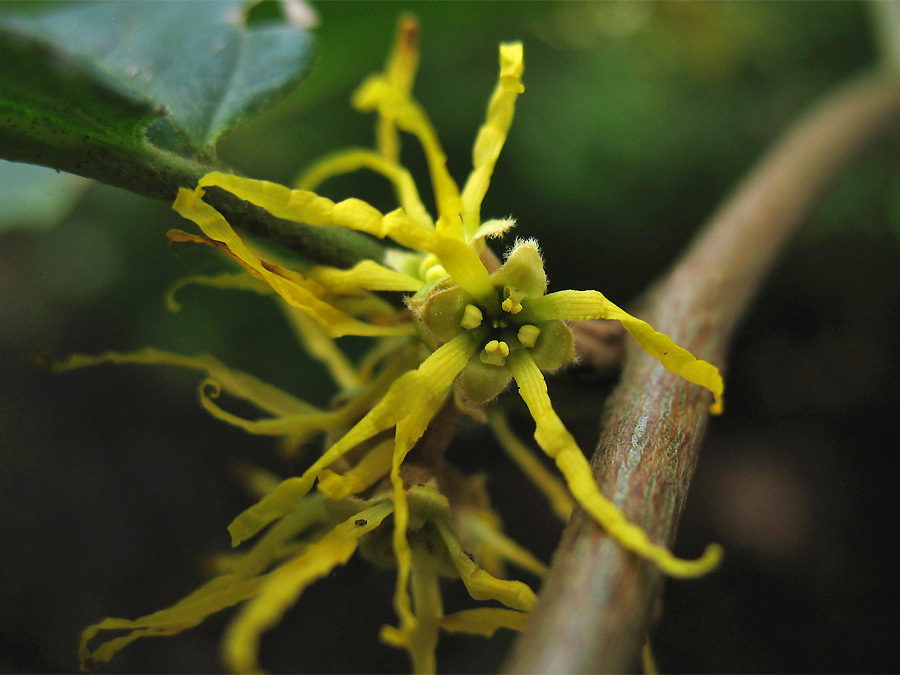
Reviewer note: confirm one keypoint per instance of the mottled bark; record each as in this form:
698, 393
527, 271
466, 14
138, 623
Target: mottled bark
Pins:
598, 602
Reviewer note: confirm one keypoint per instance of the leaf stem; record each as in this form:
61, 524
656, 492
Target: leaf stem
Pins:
598, 601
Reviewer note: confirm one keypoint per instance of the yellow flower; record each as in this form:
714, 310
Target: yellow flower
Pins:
465, 334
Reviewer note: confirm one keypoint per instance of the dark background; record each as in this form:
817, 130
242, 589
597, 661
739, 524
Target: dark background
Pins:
637, 120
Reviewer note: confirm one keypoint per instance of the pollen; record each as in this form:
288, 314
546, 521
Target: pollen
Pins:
472, 317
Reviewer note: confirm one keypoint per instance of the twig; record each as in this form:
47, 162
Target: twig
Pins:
598, 602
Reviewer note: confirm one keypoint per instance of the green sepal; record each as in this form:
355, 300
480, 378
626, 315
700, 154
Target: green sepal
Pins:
440, 312
481, 382
523, 270
555, 346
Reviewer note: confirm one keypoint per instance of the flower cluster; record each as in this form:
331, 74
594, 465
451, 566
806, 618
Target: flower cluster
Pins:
467, 328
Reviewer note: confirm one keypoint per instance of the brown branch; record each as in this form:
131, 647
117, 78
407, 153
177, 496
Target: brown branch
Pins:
598, 602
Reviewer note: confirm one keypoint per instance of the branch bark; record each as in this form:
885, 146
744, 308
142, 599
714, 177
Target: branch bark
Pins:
598, 602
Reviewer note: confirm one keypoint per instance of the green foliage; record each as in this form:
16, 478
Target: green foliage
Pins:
137, 94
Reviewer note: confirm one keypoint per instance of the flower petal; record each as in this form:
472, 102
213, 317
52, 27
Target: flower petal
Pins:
558, 443
493, 133
366, 275
377, 93
466, 269
496, 543
480, 584
281, 588
400, 73
294, 290
553, 489
484, 621
347, 161
376, 464
321, 347
409, 431
215, 595
408, 392
240, 281
237, 383
583, 305
308, 207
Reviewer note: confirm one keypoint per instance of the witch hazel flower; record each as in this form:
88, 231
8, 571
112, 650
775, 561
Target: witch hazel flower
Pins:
467, 329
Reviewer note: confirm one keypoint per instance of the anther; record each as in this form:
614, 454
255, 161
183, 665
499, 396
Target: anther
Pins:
513, 300
528, 335
472, 317
435, 273
495, 353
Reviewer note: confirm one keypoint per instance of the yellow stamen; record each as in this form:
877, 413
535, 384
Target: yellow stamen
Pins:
513, 301
472, 317
495, 353
528, 335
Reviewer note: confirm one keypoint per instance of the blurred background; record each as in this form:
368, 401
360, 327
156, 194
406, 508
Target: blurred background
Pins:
638, 118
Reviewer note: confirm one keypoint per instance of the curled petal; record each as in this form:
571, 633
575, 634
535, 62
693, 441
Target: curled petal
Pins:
558, 443
237, 383
240, 281
347, 161
583, 305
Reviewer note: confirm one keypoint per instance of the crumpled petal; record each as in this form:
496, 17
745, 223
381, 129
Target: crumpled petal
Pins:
308, 207
406, 394
426, 591
558, 443
400, 73
365, 275
484, 621
583, 305
239, 582
480, 584
333, 321
377, 93
374, 465
212, 597
281, 588
555, 491
409, 431
321, 347
493, 134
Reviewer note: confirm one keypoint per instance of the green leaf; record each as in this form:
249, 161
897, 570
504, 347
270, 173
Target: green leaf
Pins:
135, 94
198, 64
